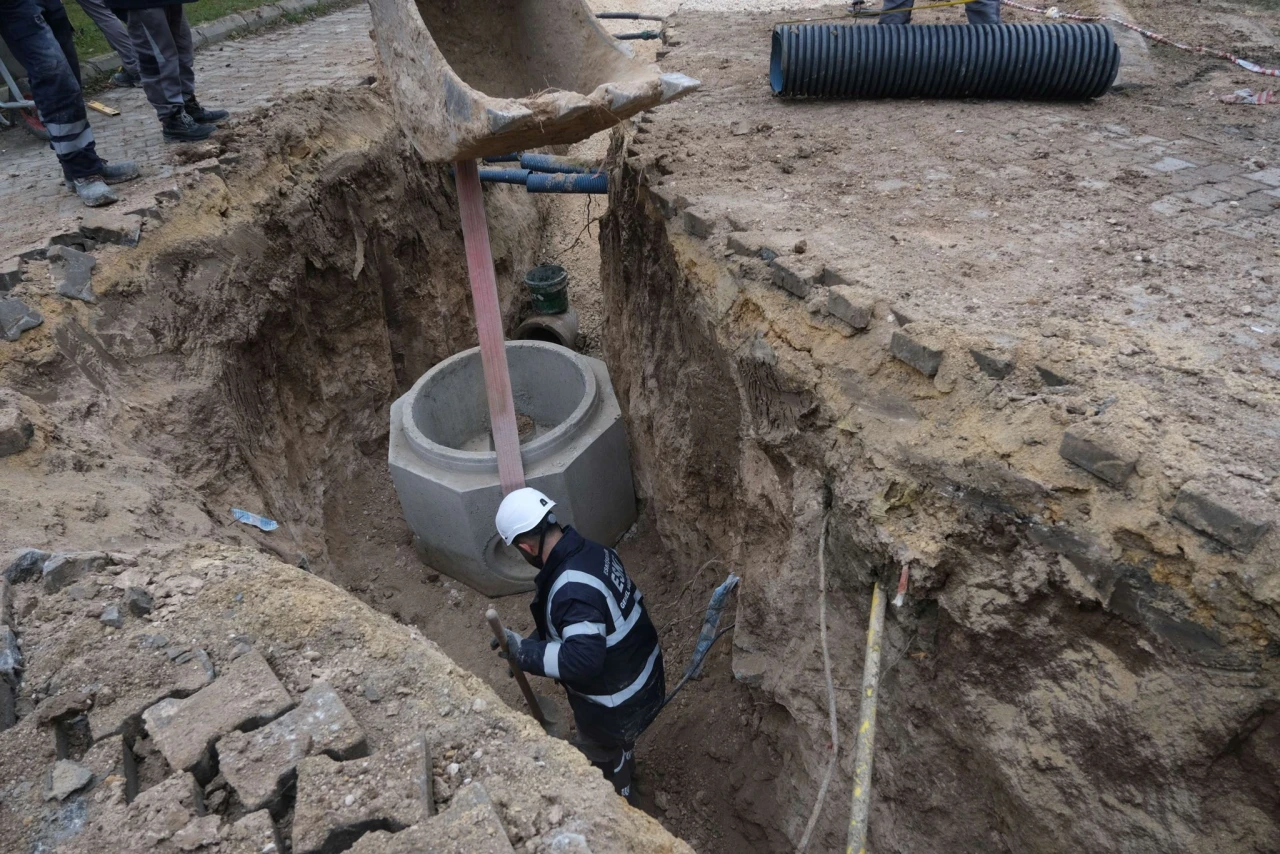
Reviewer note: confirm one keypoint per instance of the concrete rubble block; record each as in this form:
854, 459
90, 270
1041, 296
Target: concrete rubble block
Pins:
200, 832
62, 570
246, 694
16, 317
72, 272
994, 365
667, 201
150, 823
1099, 454
107, 226
911, 348
10, 657
256, 833
64, 705
446, 478
10, 273
337, 802
65, 778
470, 825
258, 764
849, 305
24, 565
138, 601
136, 678
699, 223
105, 758
16, 431
1231, 521
790, 274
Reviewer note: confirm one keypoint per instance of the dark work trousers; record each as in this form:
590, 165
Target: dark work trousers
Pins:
114, 30
979, 12
31, 29
162, 42
616, 760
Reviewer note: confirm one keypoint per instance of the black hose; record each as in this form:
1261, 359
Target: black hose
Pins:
1021, 61
628, 16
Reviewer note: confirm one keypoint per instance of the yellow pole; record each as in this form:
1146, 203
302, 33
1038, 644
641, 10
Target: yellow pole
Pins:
857, 840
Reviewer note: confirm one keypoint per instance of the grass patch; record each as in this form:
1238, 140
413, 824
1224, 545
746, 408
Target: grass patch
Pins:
90, 41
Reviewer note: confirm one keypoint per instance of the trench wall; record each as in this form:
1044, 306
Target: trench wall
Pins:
1071, 670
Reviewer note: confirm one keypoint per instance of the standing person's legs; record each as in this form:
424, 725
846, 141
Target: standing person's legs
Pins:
114, 30
56, 17
895, 18
157, 59
185, 47
54, 87
616, 761
983, 12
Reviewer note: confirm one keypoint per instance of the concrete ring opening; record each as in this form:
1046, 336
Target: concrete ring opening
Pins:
573, 445
448, 420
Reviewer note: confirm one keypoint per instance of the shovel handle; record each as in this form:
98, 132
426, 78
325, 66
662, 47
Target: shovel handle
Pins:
495, 623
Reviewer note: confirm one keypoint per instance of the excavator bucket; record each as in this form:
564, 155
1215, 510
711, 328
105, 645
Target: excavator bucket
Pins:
480, 78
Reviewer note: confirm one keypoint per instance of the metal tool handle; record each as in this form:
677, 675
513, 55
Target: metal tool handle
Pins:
500, 633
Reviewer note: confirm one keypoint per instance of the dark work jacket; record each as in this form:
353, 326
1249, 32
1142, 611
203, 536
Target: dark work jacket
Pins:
594, 636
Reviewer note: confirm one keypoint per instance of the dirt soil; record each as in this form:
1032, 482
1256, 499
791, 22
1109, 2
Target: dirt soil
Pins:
1074, 667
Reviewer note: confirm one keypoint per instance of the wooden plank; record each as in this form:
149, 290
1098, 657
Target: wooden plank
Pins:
493, 351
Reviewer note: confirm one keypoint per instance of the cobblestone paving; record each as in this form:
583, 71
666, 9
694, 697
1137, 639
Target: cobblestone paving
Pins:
240, 76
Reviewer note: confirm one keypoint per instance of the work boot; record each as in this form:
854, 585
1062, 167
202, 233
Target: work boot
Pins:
122, 79
93, 191
112, 173
202, 115
180, 127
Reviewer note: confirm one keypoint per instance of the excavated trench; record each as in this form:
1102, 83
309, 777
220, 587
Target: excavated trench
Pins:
262, 334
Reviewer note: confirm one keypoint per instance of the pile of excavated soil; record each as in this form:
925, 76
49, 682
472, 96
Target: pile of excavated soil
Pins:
141, 671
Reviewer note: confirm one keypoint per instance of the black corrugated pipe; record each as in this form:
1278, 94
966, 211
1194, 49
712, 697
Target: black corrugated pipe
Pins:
1027, 61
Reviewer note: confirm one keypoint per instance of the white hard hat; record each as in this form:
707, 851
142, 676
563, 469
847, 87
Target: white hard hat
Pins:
520, 512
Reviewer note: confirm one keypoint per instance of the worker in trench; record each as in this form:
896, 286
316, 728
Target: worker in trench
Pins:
978, 12
593, 634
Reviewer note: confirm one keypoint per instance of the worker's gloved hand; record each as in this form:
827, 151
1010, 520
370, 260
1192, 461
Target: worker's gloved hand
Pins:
513, 645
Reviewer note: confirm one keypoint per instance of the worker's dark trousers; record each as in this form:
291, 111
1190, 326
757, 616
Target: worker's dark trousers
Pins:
616, 761
166, 56
39, 35
979, 12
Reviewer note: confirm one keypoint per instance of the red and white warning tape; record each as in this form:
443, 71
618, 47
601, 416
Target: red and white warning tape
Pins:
1054, 12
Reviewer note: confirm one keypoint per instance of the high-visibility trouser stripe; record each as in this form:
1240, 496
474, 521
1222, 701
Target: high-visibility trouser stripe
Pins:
612, 700
57, 129
551, 659
72, 145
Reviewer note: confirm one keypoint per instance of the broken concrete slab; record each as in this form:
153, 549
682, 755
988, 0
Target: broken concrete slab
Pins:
65, 705
339, 801
1099, 454
136, 678
992, 364
254, 834
1227, 521
258, 764
24, 565
16, 431
793, 276
917, 353
470, 825
10, 273
699, 223
849, 305
10, 657
246, 694
62, 570
16, 317
108, 226
149, 823
71, 271
65, 778
105, 758
200, 832
138, 601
